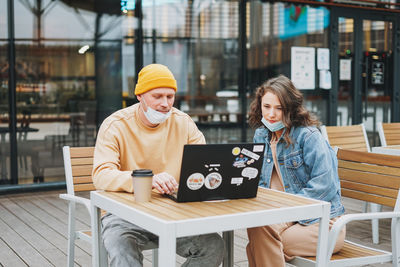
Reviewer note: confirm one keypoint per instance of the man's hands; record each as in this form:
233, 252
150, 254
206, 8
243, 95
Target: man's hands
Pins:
164, 183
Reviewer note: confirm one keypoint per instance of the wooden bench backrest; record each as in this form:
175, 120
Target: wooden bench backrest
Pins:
82, 165
392, 133
369, 176
348, 137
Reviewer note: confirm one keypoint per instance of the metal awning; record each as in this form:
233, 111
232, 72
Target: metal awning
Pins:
111, 7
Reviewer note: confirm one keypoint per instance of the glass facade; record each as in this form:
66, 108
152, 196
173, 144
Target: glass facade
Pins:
77, 62
273, 30
198, 40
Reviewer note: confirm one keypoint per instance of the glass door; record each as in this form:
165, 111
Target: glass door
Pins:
365, 47
377, 75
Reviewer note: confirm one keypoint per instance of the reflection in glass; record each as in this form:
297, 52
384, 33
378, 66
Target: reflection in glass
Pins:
4, 106
274, 30
198, 41
346, 53
68, 62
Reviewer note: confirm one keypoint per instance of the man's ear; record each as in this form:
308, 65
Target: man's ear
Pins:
139, 97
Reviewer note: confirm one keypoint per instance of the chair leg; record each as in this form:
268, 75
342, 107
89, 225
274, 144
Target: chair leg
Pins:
155, 257
71, 235
375, 223
395, 245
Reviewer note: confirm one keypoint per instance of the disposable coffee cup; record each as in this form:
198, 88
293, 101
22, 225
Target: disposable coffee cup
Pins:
142, 182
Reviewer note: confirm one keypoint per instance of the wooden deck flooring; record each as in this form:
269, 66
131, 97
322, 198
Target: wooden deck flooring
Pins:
33, 232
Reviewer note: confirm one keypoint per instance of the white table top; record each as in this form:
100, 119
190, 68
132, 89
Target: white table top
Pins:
165, 217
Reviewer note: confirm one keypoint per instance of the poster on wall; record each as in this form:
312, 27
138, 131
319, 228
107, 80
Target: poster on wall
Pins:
345, 70
303, 67
325, 79
323, 58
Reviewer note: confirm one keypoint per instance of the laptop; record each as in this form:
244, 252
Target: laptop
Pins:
219, 171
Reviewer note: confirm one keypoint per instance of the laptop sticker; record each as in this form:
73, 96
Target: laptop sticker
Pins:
195, 181
212, 167
250, 154
236, 151
258, 148
237, 180
240, 161
213, 180
250, 162
249, 172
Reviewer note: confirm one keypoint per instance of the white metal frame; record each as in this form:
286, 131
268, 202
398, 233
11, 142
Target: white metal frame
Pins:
382, 137
73, 234
393, 256
169, 231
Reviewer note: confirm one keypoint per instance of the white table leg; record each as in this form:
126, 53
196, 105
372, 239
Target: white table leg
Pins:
322, 248
98, 251
167, 247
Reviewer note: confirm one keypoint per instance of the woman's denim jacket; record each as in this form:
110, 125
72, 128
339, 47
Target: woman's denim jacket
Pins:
308, 166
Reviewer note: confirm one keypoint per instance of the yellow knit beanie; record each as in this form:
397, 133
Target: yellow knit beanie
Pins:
154, 76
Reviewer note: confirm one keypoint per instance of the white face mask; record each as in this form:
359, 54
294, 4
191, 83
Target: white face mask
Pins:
273, 127
154, 116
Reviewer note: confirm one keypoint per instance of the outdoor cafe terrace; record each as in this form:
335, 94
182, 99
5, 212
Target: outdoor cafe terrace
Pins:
33, 232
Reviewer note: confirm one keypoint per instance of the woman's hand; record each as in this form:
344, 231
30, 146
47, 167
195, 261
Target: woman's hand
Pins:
165, 183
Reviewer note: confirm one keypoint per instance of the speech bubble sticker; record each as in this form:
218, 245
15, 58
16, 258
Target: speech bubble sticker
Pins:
237, 180
195, 181
249, 172
213, 180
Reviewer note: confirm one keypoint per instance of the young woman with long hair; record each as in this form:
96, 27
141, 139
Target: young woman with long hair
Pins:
297, 160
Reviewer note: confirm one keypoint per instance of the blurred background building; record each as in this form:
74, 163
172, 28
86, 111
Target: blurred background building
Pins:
65, 65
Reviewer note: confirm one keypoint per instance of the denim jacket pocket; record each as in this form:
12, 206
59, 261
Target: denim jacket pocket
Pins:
295, 167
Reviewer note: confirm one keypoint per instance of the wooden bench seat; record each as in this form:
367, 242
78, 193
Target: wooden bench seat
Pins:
370, 177
352, 250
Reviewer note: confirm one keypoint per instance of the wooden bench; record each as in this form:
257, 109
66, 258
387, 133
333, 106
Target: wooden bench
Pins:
370, 177
352, 137
78, 165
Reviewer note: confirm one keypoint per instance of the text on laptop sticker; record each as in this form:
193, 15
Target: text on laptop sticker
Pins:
250, 154
237, 180
195, 181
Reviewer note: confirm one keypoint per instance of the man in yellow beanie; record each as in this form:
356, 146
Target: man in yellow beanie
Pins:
148, 135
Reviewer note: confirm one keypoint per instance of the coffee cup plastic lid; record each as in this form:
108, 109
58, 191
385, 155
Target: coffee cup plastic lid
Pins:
142, 172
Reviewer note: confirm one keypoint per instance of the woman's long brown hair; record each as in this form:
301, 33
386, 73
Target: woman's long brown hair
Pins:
294, 113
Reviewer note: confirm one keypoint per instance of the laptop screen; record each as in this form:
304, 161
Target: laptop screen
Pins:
220, 171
